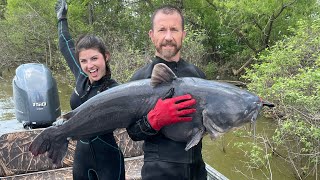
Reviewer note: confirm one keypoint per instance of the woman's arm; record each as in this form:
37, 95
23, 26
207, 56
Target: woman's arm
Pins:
66, 43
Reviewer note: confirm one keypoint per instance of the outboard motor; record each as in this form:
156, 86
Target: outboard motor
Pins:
35, 94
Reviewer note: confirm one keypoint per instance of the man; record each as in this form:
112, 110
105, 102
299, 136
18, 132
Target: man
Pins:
164, 158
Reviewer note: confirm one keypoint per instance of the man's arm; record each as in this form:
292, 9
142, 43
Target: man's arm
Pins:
141, 130
165, 112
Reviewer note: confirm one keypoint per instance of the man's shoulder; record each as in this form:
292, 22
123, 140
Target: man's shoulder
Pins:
143, 73
192, 69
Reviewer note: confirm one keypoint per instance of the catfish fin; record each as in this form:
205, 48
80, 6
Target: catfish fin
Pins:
161, 73
211, 128
196, 138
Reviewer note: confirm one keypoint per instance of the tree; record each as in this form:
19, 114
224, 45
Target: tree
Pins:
3, 4
240, 30
28, 28
288, 74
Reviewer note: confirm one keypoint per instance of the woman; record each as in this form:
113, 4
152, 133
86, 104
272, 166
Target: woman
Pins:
97, 157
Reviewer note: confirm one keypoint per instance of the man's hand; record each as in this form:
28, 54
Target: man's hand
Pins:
61, 9
171, 111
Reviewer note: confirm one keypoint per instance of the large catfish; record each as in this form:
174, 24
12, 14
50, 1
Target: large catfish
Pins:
220, 107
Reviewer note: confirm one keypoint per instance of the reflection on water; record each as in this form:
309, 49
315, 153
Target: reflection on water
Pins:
6, 109
6, 101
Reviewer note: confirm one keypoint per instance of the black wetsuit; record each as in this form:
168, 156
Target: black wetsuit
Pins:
164, 158
98, 157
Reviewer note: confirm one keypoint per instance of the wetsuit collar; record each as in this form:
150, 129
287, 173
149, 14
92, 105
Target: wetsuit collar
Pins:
171, 65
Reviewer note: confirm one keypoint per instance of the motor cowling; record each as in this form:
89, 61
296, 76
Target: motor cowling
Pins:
35, 95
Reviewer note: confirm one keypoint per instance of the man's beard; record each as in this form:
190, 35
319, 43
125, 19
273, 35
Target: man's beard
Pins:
168, 54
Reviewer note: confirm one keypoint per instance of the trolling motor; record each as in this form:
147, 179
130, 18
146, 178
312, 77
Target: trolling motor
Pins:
35, 95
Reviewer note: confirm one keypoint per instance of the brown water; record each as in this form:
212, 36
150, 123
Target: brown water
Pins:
221, 154
230, 160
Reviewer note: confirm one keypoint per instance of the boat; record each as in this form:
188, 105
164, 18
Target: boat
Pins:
17, 163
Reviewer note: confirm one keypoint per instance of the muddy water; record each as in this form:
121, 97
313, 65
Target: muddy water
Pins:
222, 154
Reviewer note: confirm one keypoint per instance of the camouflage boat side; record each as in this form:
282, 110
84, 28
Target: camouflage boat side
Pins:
129, 148
16, 162
133, 167
16, 159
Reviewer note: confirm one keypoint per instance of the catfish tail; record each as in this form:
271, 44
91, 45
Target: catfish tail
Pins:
47, 142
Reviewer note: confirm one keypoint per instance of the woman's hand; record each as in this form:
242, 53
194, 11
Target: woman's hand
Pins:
61, 9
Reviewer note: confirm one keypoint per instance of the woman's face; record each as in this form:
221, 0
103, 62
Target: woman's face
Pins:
93, 64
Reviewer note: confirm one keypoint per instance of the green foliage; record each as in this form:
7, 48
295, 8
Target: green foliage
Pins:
256, 154
211, 70
288, 74
193, 48
247, 27
3, 5
125, 61
78, 16
235, 30
28, 32
306, 134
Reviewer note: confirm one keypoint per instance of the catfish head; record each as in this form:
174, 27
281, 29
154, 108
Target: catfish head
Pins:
232, 115
220, 106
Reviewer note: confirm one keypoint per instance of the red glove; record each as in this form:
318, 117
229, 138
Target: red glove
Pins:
170, 111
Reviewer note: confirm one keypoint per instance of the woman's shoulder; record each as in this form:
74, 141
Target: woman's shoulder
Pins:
113, 83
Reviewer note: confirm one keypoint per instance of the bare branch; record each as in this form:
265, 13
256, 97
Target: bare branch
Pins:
212, 5
272, 18
237, 72
245, 40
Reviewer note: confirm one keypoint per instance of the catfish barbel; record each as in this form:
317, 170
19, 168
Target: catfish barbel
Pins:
220, 107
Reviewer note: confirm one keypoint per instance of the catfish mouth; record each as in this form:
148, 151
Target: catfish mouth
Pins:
254, 112
253, 116
250, 116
